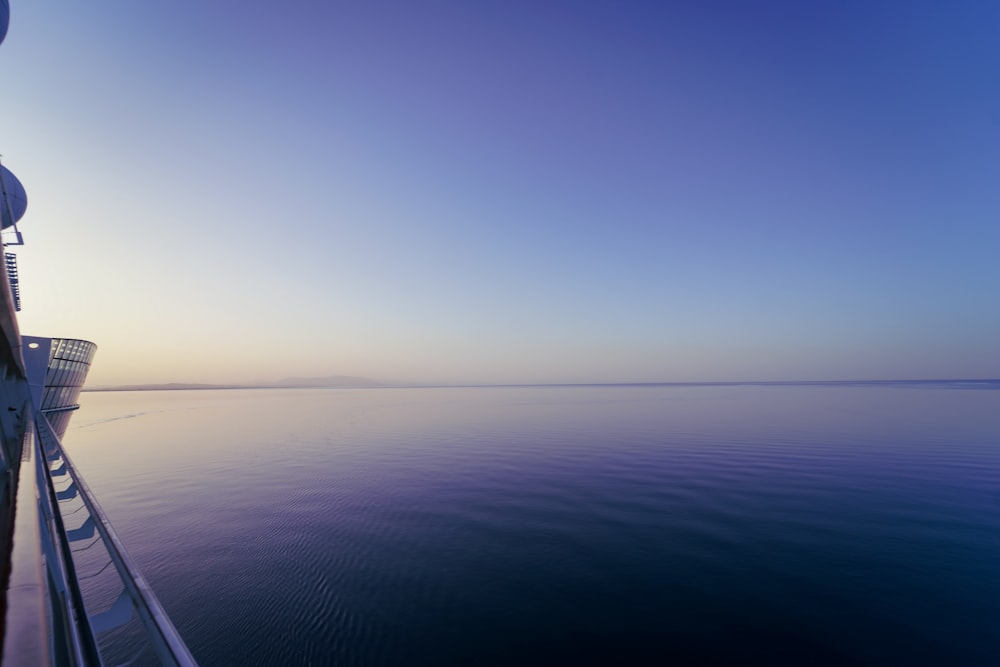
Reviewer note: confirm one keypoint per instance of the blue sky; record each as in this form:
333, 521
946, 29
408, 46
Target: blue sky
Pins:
510, 192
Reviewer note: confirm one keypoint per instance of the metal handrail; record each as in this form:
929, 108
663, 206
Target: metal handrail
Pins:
166, 641
67, 613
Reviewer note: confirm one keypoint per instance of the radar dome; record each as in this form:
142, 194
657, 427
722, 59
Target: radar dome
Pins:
17, 199
4, 18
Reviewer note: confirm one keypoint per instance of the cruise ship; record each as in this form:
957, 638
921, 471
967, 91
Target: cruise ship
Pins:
72, 595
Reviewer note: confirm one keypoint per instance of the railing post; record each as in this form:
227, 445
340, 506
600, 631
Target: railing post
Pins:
163, 636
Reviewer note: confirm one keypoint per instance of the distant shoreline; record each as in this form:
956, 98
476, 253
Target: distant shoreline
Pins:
370, 384
334, 381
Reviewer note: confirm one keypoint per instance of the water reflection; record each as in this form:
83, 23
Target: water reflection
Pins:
560, 524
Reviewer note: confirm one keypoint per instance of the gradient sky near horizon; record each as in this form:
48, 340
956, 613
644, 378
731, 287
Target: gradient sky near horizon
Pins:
510, 192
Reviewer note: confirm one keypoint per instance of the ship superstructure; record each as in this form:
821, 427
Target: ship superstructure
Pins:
72, 595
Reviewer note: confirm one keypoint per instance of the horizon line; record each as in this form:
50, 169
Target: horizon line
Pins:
195, 386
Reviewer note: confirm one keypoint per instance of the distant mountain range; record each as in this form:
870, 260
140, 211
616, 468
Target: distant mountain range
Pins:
349, 381
287, 383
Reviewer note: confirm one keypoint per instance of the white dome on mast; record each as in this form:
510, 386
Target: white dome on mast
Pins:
14, 199
4, 18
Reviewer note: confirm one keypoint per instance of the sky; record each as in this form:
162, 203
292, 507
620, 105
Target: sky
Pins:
509, 192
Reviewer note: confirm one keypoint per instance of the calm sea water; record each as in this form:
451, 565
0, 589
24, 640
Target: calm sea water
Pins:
560, 525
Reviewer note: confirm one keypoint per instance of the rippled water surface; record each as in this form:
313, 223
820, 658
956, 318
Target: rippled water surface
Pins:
561, 525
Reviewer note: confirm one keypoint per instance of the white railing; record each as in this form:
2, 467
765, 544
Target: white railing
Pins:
84, 628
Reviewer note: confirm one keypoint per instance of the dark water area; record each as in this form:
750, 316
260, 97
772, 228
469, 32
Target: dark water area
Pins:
700, 525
